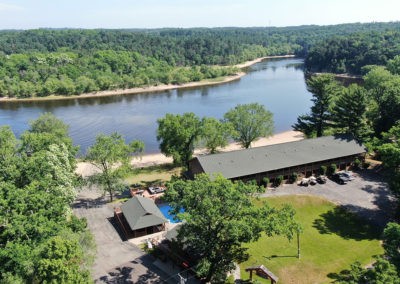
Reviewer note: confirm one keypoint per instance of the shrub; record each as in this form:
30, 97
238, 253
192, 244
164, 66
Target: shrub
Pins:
294, 177
357, 163
230, 280
266, 181
278, 180
333, 168
366, 165
323, 170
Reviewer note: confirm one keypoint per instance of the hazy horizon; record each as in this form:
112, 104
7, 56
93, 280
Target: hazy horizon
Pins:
156, 14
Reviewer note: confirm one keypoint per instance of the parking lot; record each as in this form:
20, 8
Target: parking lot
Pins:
367, 195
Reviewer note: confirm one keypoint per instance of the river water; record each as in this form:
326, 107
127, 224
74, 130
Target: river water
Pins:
278, 84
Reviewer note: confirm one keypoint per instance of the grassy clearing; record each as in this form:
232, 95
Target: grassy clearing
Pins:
333, 238
153, 175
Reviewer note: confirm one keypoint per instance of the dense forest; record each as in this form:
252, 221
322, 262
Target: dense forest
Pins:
67, 62
348, 54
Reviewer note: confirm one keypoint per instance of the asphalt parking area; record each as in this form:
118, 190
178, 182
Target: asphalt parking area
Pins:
367, 195
112, 251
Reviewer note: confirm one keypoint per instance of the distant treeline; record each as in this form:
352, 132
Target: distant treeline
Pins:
43, 62
349, 54
69, 73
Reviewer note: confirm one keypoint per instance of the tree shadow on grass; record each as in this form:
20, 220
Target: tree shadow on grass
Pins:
346, 224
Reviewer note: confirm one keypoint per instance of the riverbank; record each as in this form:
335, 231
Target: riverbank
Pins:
85, 169
150, 89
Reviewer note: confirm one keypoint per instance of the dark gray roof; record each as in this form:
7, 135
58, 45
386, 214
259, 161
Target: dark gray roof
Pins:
268, 158
142, 212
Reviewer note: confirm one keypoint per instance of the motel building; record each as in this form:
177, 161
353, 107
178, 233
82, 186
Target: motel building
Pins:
304, 157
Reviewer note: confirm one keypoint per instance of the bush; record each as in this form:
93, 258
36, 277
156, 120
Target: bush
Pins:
323, 170
357, 163
366, 165
333, 168
294, 177
278, 180
230, 280
266, 181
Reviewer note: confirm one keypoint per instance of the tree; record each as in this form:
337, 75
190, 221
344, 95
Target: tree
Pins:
383, 272
391, 243
45, 131
219, 218
323, 88
60, 262
111, 156
390, 155
384, 91
249, 122
394, 65
349, 112
178, 134
8, 151
215, 134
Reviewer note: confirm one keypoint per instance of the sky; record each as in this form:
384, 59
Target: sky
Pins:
31, 14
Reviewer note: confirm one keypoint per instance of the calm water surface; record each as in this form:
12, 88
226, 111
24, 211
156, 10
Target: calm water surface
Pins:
277, 84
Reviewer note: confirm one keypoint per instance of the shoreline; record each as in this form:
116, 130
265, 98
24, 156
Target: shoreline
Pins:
150, 89
147, 160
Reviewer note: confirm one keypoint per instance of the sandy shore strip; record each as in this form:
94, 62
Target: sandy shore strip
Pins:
86, 169
150, 89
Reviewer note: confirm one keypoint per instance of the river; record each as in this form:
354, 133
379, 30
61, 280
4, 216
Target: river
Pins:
278, 84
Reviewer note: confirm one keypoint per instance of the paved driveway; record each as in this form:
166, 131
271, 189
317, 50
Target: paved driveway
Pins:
111, 250
368, 196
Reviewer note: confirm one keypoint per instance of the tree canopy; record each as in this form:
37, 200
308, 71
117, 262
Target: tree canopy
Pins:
249, 122
323, 88
111, 157
39, 234
178, 135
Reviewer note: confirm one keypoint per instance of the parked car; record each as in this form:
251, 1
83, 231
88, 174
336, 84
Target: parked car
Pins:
347, 175
340, 179
313, 180
304, 182
321, 179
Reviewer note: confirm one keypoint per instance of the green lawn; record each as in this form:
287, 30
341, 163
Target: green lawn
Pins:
153, 175
333, 238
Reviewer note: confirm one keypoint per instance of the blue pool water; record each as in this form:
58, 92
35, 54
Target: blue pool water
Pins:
165, 208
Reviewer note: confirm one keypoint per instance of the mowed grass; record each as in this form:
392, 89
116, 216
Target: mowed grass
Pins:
153, 175
332, 239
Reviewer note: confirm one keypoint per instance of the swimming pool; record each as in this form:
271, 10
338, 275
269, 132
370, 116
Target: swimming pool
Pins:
165, 208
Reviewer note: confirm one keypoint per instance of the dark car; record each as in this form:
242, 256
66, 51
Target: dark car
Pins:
321, 179
340, 179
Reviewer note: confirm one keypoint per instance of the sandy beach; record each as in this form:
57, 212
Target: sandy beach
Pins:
150, 89
86, 169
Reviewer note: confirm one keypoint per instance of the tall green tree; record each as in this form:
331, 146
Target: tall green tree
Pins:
215, 134
178, 135
349, 112
323, 88
110, 155
390, 155
219, 218
45, 131
384, 90
249, 122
